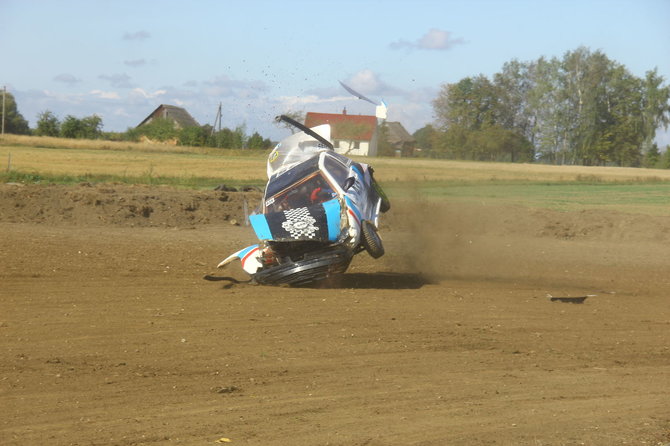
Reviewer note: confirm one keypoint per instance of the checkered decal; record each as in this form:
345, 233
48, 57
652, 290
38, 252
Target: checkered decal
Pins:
300, 223
305, 223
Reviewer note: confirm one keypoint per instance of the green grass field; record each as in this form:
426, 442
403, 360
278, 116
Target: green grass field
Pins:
643, 198
569, 188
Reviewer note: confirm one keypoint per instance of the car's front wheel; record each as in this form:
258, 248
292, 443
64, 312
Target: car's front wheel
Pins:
371, 240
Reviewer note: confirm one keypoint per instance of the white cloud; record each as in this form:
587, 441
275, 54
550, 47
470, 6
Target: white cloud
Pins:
67, 98
412, 115
435, 39
365, 81
139, 92
105, 94
370, 84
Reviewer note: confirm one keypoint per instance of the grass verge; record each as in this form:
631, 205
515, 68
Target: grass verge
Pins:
631, 197
566, 188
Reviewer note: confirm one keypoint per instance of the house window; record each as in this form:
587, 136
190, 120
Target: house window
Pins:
357, 145
336, 144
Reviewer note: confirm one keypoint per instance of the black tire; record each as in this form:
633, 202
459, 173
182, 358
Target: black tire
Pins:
385, 205
313, 268
371, 240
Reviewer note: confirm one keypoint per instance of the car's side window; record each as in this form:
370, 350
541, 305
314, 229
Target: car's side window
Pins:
336, 169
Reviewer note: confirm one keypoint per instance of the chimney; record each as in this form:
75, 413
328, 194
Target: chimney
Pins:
344, 111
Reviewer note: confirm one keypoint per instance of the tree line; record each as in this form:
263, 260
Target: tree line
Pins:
581, 109
158, 130
163, 130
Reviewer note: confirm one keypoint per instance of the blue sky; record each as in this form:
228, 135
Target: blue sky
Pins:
121, 59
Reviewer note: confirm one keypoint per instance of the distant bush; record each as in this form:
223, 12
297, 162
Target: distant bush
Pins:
89, 127
160, 129
47, 124
192, 136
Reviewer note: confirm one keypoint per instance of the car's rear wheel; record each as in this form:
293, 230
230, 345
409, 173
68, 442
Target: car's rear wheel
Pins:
385, 205
371, 240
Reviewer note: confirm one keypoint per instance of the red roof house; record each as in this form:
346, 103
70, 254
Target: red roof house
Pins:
350, 134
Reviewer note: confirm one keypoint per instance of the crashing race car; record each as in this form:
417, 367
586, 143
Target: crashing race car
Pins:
319, 209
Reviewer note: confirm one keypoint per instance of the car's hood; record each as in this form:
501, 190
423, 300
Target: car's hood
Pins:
320, 222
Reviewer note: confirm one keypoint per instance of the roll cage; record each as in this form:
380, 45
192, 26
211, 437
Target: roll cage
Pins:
313, 181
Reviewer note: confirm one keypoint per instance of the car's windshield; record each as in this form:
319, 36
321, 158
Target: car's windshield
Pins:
310, 190
279, 182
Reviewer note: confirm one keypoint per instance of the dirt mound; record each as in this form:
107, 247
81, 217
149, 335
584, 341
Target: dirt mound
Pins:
122, 205
147, 206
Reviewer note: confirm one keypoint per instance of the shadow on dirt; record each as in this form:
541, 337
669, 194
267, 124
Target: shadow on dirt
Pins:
384, 281
363, 281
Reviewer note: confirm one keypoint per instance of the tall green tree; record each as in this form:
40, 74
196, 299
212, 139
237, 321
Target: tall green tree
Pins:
70, 127
553, 114
471, 104
257, 142
229, 139
513, 86
47, 124
664, 162
652, 157
656, 106
583, 76
580, 109
89, 127
192, 136
621, 134
14, 122
427, 139
484, 120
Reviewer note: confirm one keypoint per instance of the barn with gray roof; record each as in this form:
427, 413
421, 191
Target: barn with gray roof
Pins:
179, 116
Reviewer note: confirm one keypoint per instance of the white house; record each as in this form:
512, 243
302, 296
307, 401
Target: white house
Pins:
350, 134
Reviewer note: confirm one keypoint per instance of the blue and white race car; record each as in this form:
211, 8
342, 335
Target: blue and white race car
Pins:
319, 209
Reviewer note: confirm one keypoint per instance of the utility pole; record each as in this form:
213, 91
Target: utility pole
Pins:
4, 93
217, 121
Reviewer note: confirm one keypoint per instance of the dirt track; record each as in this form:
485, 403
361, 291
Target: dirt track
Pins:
110, 336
